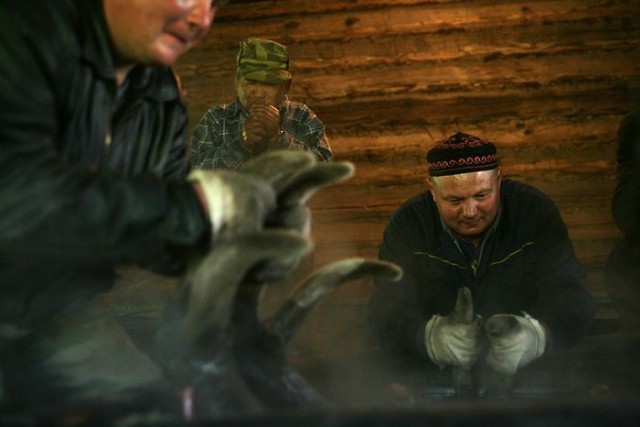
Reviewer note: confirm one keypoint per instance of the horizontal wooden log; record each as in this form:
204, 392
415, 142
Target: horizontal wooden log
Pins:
547, 81
416, 53
328, 18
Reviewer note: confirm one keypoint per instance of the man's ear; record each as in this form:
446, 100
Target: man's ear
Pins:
430, 187
499, 175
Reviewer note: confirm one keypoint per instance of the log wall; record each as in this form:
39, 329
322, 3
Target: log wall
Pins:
548, 81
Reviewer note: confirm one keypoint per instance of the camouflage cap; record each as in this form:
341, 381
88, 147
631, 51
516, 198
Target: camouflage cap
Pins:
263, 61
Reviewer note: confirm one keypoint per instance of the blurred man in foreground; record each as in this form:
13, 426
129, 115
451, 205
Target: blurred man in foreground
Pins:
93, 158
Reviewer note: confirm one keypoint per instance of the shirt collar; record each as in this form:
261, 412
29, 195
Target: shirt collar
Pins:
96, 44
489, 232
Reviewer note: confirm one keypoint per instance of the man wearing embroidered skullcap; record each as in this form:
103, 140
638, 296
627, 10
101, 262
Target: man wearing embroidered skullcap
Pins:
261, 118
490, 275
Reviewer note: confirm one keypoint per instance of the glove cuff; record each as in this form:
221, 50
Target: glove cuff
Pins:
219, 197
429, 340
540, 333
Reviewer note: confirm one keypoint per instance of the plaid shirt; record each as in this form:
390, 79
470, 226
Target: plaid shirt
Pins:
216, 142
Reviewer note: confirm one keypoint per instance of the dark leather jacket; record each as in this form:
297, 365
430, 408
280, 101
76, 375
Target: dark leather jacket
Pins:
527, 264
626, 197
624, 260
91, 173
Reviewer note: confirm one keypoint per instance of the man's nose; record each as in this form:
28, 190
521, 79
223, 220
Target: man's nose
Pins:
469, 208
202, 14
259, 92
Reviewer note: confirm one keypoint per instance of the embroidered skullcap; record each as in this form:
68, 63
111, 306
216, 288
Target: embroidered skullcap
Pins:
263, 61
461, 153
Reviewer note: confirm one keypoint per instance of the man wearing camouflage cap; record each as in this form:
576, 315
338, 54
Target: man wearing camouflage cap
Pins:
490, 275
261, 117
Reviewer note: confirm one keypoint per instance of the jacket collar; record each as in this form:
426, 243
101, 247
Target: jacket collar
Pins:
480, 264
489, 232
96, 48
235, 108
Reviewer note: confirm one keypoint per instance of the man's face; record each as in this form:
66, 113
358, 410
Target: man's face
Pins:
156, 31
251, 93
468, 203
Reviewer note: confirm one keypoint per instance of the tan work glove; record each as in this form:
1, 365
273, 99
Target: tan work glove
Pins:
453, 340
236, 203
515, 341
242, 202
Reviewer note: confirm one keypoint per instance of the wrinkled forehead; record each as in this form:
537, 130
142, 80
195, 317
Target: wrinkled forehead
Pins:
467, 181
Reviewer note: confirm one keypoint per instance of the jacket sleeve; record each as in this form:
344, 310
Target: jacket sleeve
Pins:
176, 165
305, 131
564, 304
216, 144
395, 319
626, 197
48, 206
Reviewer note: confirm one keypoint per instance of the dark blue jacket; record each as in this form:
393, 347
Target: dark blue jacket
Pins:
625, 204
527, 264
624, 260
91, 173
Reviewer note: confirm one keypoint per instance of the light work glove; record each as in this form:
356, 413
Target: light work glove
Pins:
237, 204
453, 340
240, 202
515, 341
269, 191
294, 188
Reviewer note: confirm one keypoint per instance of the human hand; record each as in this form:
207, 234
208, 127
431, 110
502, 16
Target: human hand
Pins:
453, 340
515, 341
235, 203
293, 192
239, 203
262, 127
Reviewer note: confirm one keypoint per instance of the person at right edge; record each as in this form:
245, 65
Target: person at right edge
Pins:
623, 265
490, 273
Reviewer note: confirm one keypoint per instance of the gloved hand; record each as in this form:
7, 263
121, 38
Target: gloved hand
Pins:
453, 340
268, 191
237, 204
515, 341
293, 190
